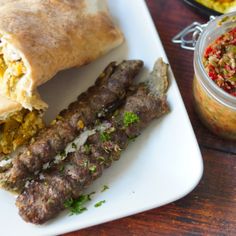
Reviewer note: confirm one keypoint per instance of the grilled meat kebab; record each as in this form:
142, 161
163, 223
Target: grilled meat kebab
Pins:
109, 89
44, 197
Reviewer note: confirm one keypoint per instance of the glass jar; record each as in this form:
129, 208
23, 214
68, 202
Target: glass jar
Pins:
216, 108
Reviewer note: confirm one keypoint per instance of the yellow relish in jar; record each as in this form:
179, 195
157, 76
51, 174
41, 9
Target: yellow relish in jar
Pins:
220, 61
214, 86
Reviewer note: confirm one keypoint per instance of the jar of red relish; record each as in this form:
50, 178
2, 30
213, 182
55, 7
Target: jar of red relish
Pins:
214, 84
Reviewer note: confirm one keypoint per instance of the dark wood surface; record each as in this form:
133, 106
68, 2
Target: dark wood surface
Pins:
211, 208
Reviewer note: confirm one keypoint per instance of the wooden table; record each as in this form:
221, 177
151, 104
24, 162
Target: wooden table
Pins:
211, 208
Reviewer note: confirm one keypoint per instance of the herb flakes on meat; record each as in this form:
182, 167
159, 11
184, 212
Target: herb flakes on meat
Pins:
109, 90
149, 102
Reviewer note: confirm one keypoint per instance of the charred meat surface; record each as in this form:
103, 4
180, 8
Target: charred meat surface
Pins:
44, 197
109, 89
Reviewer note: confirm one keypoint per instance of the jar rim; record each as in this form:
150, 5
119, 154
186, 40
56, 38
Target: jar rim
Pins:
225, 97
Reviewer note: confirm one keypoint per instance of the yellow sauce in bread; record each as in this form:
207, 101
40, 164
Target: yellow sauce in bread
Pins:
18, 129
12, 71
22, 125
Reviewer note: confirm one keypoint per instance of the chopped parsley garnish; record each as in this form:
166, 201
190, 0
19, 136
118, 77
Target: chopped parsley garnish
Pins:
104, 136
6, 158
116, 113
89, 195
92, 168
105, 187
76, 206
84, 163
97, 122
101, 160
62, 168
130, 118
111, 130
87, 149
98, 204
132, 139
63, 154
68, 203
74, 146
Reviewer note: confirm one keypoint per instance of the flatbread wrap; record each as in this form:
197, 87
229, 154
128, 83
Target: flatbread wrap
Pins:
39, 38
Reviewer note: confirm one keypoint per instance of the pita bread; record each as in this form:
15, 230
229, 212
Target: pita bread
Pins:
49, 36
8, 107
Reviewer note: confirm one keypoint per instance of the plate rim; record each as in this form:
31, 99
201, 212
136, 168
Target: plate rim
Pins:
201, 164
70, 227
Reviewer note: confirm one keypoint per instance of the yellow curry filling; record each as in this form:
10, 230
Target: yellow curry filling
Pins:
18, 129
12, 71
222, 6
22, 125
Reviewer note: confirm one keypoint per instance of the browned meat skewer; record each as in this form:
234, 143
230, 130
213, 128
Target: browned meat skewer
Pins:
110, 88
44, 198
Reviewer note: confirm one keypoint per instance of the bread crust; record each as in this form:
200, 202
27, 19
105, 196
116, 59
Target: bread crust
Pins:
7, 107
54, 35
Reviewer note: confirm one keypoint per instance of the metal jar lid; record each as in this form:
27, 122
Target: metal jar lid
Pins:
188, 37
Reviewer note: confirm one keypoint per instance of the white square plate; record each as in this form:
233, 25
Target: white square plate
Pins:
162, 165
